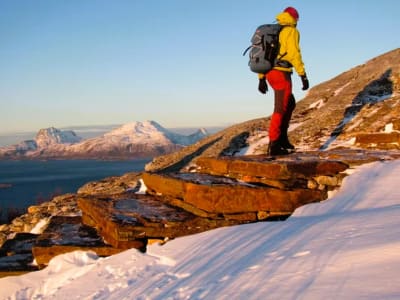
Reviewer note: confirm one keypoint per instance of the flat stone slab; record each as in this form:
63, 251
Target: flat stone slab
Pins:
293, 167
126, 221
66, 234
289, 167
355, 157
380, 139
226, 196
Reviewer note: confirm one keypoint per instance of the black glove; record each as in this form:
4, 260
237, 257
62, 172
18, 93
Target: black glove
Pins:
305, 82
263, 86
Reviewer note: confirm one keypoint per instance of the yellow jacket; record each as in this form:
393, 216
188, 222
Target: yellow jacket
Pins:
289, 53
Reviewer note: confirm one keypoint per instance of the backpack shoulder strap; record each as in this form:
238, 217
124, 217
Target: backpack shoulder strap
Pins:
247, 49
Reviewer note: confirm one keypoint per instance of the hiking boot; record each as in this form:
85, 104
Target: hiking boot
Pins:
275, 148
284, 141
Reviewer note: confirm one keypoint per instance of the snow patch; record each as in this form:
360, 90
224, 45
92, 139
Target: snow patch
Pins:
255, 142
142, 188
40, 226
339, 90
389, 128
318, 104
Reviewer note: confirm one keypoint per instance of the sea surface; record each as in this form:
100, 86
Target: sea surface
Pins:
30, 182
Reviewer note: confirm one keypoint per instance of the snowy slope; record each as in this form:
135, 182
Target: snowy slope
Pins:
347, 247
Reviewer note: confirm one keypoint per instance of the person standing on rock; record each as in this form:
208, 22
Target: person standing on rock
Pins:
279, 78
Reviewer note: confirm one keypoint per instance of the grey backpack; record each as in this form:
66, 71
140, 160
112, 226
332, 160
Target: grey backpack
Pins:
264, 48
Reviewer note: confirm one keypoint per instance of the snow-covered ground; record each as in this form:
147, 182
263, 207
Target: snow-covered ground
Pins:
347, 247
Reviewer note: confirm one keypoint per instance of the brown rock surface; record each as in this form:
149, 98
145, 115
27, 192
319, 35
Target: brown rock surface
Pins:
128, 221
111, 185
377, 139
224, 196
66, 234
285, 168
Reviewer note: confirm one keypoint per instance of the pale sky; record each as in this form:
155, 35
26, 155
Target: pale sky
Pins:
178, 62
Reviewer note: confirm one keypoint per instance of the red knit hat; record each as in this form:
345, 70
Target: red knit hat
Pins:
293, 12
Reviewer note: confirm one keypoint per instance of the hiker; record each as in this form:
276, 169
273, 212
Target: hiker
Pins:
280, 80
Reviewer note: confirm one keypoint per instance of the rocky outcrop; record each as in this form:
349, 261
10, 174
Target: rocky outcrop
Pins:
130, 220
111, 185
16, 255
66, 234
64, 205
215, 197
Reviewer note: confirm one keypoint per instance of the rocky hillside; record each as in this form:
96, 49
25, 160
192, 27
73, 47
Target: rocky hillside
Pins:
132, 140
362, 100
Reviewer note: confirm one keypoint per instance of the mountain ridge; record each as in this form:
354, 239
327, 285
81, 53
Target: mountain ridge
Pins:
132, 140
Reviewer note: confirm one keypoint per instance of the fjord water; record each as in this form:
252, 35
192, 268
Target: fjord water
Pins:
30, 182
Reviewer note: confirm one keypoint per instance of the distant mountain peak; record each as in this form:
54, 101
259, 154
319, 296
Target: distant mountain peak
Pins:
137, 127
51, 136
131, 140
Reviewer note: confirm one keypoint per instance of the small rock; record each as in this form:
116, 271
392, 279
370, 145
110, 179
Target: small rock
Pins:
17, 222
312, 184
4, 227
27, 227
15, 228
262, 215
65, 209
327, 180
34, 209
3, 238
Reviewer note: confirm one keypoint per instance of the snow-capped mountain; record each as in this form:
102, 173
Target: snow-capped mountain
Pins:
132, 140
52, 136
152, 132
48, 139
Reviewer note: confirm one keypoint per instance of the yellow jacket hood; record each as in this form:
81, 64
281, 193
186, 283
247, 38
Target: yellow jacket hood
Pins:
286, 19
289, 40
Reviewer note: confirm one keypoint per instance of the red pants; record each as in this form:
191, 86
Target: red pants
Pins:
284, 104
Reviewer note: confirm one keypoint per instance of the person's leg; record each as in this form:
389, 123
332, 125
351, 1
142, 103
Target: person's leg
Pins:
282, 85
285, 123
